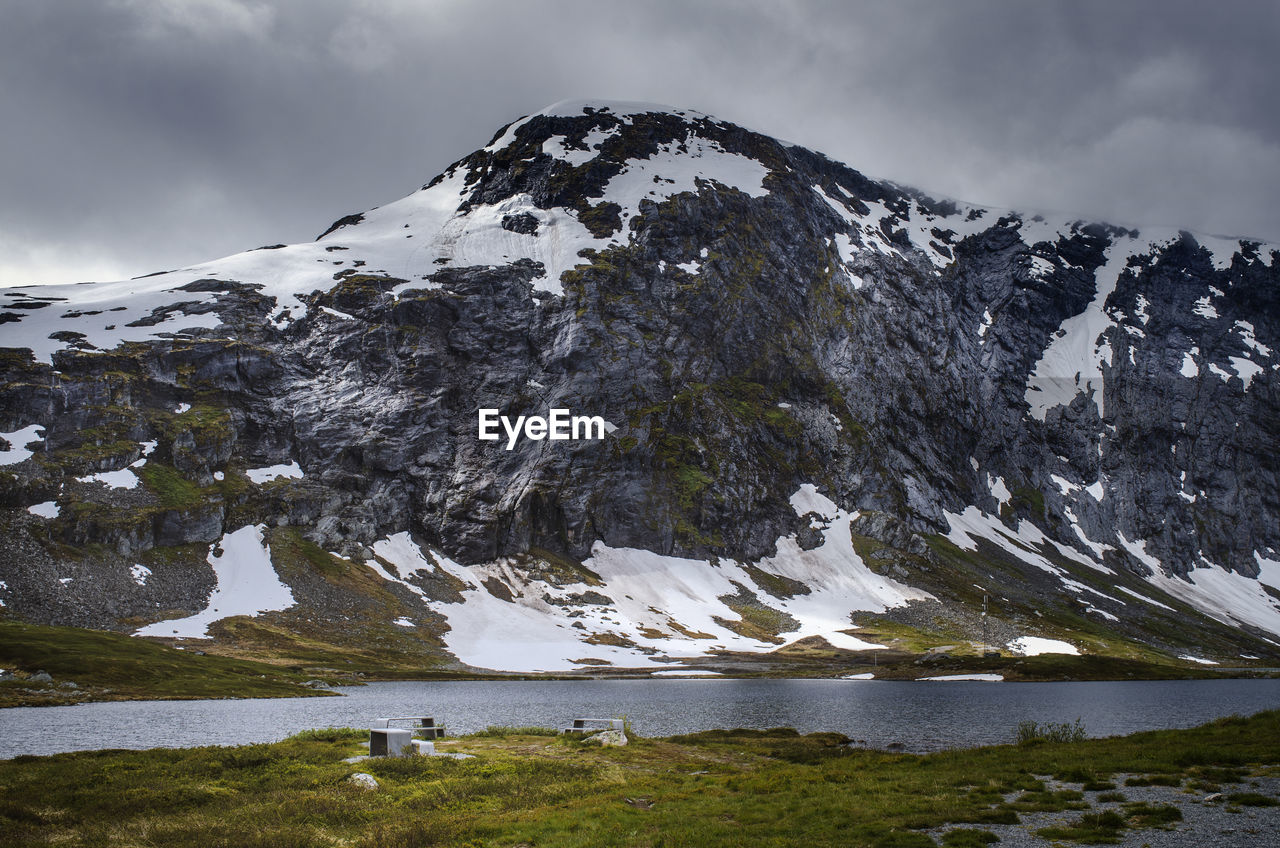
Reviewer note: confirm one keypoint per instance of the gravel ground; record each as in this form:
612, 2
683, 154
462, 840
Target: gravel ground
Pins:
1205, 824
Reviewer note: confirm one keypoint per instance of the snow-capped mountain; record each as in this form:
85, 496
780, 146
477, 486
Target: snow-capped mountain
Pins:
827, 399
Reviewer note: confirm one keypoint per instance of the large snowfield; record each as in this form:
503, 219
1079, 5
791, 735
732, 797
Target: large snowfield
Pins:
668, 607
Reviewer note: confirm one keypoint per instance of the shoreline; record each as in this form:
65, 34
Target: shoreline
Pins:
53, 696
56, 666
15, 692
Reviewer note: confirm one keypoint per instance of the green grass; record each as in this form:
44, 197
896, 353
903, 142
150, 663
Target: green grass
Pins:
331, 734
1155, 780
505, 731
776, 584
1090, 827
968, 838
1142, 814
1252, 799
109, 666
717, 788
1108, 825
1032, 733
758, 621
169, 486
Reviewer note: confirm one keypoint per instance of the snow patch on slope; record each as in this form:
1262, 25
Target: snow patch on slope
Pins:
1223, 595
668, 607
47, 509
1072, 362
1247, 369
1034, 646
678, 167
1144, 598
100, 313
448, 237
247, 584
122, 479
555, 146
1249, 339
291, 471
1204, 308
968, 527
1268, 570
998, 490
1189, 368
18, 441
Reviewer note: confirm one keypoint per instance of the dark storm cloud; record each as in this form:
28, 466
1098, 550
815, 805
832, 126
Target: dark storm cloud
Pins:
145, 134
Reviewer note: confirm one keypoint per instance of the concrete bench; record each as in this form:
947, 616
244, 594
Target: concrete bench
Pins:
424, 726
428, 729
591, 725
388, 741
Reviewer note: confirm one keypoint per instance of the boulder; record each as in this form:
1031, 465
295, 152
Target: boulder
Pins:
363, 781
608, 738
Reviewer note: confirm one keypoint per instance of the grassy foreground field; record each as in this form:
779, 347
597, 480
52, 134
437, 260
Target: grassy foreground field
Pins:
526, 787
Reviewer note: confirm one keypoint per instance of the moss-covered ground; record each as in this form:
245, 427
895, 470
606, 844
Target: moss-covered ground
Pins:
527, 787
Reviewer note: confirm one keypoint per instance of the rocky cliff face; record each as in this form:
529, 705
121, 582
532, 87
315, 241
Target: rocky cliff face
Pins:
751, 319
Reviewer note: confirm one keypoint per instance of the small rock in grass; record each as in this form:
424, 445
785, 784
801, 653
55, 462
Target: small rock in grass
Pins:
608, 738
363, 781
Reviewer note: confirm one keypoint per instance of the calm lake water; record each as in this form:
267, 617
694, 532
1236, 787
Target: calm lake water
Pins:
922, 716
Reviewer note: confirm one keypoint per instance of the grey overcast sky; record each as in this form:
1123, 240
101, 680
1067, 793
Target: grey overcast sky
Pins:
142, 135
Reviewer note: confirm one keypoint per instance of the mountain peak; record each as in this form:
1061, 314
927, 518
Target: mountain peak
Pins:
618, 108
590, 122
552, 189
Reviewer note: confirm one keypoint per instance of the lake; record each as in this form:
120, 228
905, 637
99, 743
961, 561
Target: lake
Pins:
922, 716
